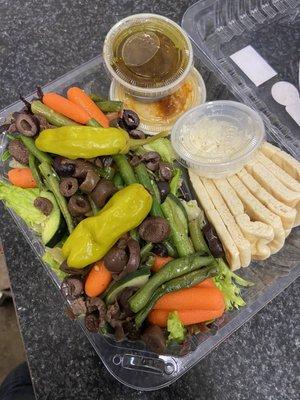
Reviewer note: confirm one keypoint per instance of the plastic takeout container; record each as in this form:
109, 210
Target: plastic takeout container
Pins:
166, 26
249, 135
161, 114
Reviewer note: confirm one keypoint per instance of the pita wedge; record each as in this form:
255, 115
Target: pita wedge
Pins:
272, 184
288, 181
242, 244
257, 211
289, 164
287, 214
231, 250
258, 233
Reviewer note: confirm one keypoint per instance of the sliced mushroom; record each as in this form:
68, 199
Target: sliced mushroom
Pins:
151, 159
154, 229
165, 171
71, 287
44, 205
103, 192
78, 205
90, 182
154, 339
26, 124
19, 151
68, 186
116, 259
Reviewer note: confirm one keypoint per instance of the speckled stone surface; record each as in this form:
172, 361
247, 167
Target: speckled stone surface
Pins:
40, 41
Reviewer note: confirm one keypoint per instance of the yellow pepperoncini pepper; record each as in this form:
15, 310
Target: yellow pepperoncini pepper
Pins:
88, 142
94, 236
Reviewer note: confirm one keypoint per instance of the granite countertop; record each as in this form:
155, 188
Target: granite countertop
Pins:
40, 41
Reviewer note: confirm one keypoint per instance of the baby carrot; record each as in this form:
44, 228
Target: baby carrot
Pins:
209, 282
97, 280
22, 177
66, 107
159, 262
187, 317
79, 97
193, 298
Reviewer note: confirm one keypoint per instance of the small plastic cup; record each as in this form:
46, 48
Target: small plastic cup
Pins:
168, 27
249, 133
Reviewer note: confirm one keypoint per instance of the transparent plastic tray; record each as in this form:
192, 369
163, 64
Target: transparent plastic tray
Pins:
219, 28
129, 362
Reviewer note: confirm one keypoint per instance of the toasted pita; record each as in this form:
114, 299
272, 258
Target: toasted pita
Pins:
286, 214
283, 159
231, 251
242, 244
257, 211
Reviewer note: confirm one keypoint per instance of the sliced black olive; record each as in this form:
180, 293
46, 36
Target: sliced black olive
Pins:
43, 123
92, 322
116, 259
63, 166
164, 189
154, 229
154, 339
123, 299
165, 171
78, 205
103, 192
44, 205
71, 287
151, 159
135, 160
26, 125
214, 243
184, 192
68, 186
131, 119
5, 127
134, 257
18, 151
137, 134
160, 250
74, 271
90, 182
96, 304
107, 161
77, 308
82, 167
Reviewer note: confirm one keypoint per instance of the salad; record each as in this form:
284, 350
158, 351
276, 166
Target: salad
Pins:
136, 255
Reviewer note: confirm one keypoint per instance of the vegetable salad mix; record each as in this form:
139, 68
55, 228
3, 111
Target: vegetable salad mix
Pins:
135, 254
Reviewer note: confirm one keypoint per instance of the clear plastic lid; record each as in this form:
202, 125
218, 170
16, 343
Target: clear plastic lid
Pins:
160, 115
148, 54
217, 138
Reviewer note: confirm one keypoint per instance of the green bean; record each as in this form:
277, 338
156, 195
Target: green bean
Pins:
150, 184
134, 234
31, 147
173, 269
125, 169
53, 184
185, 281
107, 172
197, 236
171, 248
146, 250
37, 107
93, 205
96, 97
110, 106
118, 181
35, 173
134, 143
149, 262
175, 181
92, 122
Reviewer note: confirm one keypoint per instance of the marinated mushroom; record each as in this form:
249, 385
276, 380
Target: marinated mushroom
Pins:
165, 171
214, 243
18, 151
151, 159
63, 166
116, 259
26, 124
154, 339
164, 189
90, 181
44, 205
68, 186
78, 205
103, 192
154, 229
71, 287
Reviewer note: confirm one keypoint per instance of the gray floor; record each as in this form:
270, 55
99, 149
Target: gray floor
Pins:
12, 350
